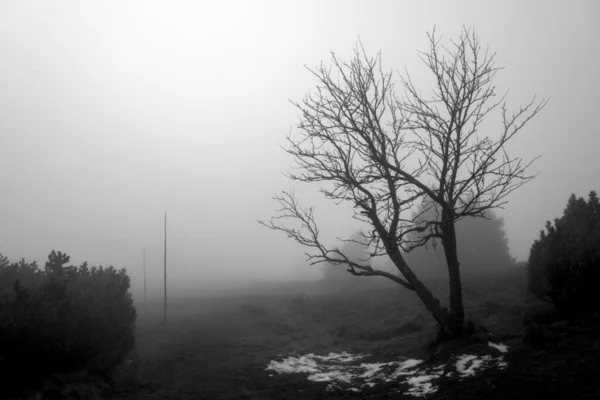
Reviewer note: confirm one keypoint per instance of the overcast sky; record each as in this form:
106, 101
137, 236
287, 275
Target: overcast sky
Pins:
113, 112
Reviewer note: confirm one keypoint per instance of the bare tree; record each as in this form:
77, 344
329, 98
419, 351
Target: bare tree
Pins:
335, 277
386, 156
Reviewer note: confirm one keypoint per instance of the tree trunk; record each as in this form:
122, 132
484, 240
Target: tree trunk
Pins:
457, 312
446, 323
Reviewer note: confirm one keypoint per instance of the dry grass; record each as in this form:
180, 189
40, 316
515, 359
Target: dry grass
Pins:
218, 348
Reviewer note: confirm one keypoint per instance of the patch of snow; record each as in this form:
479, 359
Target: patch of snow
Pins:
295, 364
472, 361
421, 385
336, 376
501, 347
371, 369
344, 371
404, 366
343, 357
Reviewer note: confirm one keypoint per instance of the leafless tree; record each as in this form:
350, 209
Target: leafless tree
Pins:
385, 155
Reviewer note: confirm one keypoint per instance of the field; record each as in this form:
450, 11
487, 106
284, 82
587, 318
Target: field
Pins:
220, 347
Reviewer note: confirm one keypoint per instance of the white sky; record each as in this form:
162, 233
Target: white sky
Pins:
113, 112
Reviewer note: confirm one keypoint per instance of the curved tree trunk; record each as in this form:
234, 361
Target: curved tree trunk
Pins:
447, 322
457, 311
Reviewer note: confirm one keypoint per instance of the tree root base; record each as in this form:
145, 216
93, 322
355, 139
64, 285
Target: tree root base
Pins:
471, 332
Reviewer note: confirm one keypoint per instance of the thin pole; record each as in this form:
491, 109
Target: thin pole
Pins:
165, 317
144, 258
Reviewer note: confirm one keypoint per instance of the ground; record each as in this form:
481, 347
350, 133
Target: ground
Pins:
221, 347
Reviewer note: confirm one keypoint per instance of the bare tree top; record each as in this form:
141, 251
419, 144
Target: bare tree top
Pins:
385, 154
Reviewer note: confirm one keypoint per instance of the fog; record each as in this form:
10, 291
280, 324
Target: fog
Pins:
113, 113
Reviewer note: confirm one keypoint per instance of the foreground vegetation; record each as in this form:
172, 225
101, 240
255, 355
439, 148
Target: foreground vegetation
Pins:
63, 320
219, 348
74, 333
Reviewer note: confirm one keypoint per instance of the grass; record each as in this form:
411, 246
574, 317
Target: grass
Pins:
220, 348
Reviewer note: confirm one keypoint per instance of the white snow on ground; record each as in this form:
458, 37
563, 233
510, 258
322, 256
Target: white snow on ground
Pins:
501, 347
421, 385
345, 371
296, 364
341, 357
473, 362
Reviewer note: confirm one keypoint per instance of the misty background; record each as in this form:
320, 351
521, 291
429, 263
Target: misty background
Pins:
113, 113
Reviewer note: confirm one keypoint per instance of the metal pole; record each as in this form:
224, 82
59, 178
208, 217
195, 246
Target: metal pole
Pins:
144, 258
165, 310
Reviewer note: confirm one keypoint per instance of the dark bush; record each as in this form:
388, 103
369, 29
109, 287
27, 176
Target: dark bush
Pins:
63, 319
564, 263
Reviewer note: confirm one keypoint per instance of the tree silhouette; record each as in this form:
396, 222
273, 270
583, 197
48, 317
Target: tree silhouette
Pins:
336, 275
483, 248
385, 155
56, 262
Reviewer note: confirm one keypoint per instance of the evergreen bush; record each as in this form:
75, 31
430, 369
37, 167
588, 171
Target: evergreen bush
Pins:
564, 263
64, 319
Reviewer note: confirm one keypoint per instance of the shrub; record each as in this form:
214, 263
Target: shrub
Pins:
64, 319
564, 263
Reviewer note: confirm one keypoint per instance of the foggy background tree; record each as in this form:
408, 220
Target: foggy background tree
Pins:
386, 156
482, 248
